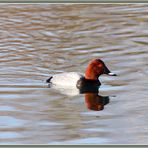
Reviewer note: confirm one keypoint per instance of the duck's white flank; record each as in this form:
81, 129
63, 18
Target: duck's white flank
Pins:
66, 79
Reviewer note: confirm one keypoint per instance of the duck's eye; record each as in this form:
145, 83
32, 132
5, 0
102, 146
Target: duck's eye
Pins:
99, 65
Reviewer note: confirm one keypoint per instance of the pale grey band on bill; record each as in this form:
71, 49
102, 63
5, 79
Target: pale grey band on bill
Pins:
112, 74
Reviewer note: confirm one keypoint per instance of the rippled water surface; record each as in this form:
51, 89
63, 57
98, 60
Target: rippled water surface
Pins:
38, 40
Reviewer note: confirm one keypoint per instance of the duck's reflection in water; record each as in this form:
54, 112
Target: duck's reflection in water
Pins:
93, 100
96, 102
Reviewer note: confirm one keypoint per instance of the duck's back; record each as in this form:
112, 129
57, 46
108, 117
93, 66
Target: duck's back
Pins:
66, 79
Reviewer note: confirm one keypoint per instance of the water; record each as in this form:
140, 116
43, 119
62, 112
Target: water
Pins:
38, 40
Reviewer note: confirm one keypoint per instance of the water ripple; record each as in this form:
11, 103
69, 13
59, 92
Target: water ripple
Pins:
43, 39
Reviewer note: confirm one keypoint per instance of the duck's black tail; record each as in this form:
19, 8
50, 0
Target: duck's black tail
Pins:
48, 80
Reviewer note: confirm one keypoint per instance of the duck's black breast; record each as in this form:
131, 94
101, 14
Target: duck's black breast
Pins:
86, 85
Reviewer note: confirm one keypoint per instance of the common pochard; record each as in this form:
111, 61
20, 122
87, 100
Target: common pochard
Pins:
91, 78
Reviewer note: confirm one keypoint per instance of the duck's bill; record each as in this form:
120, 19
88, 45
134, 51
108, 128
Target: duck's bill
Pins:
107, 71
111, 74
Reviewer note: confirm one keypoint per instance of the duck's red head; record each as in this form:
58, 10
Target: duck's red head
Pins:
97, 68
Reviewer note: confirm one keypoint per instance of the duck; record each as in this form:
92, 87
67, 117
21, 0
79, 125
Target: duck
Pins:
94, 70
